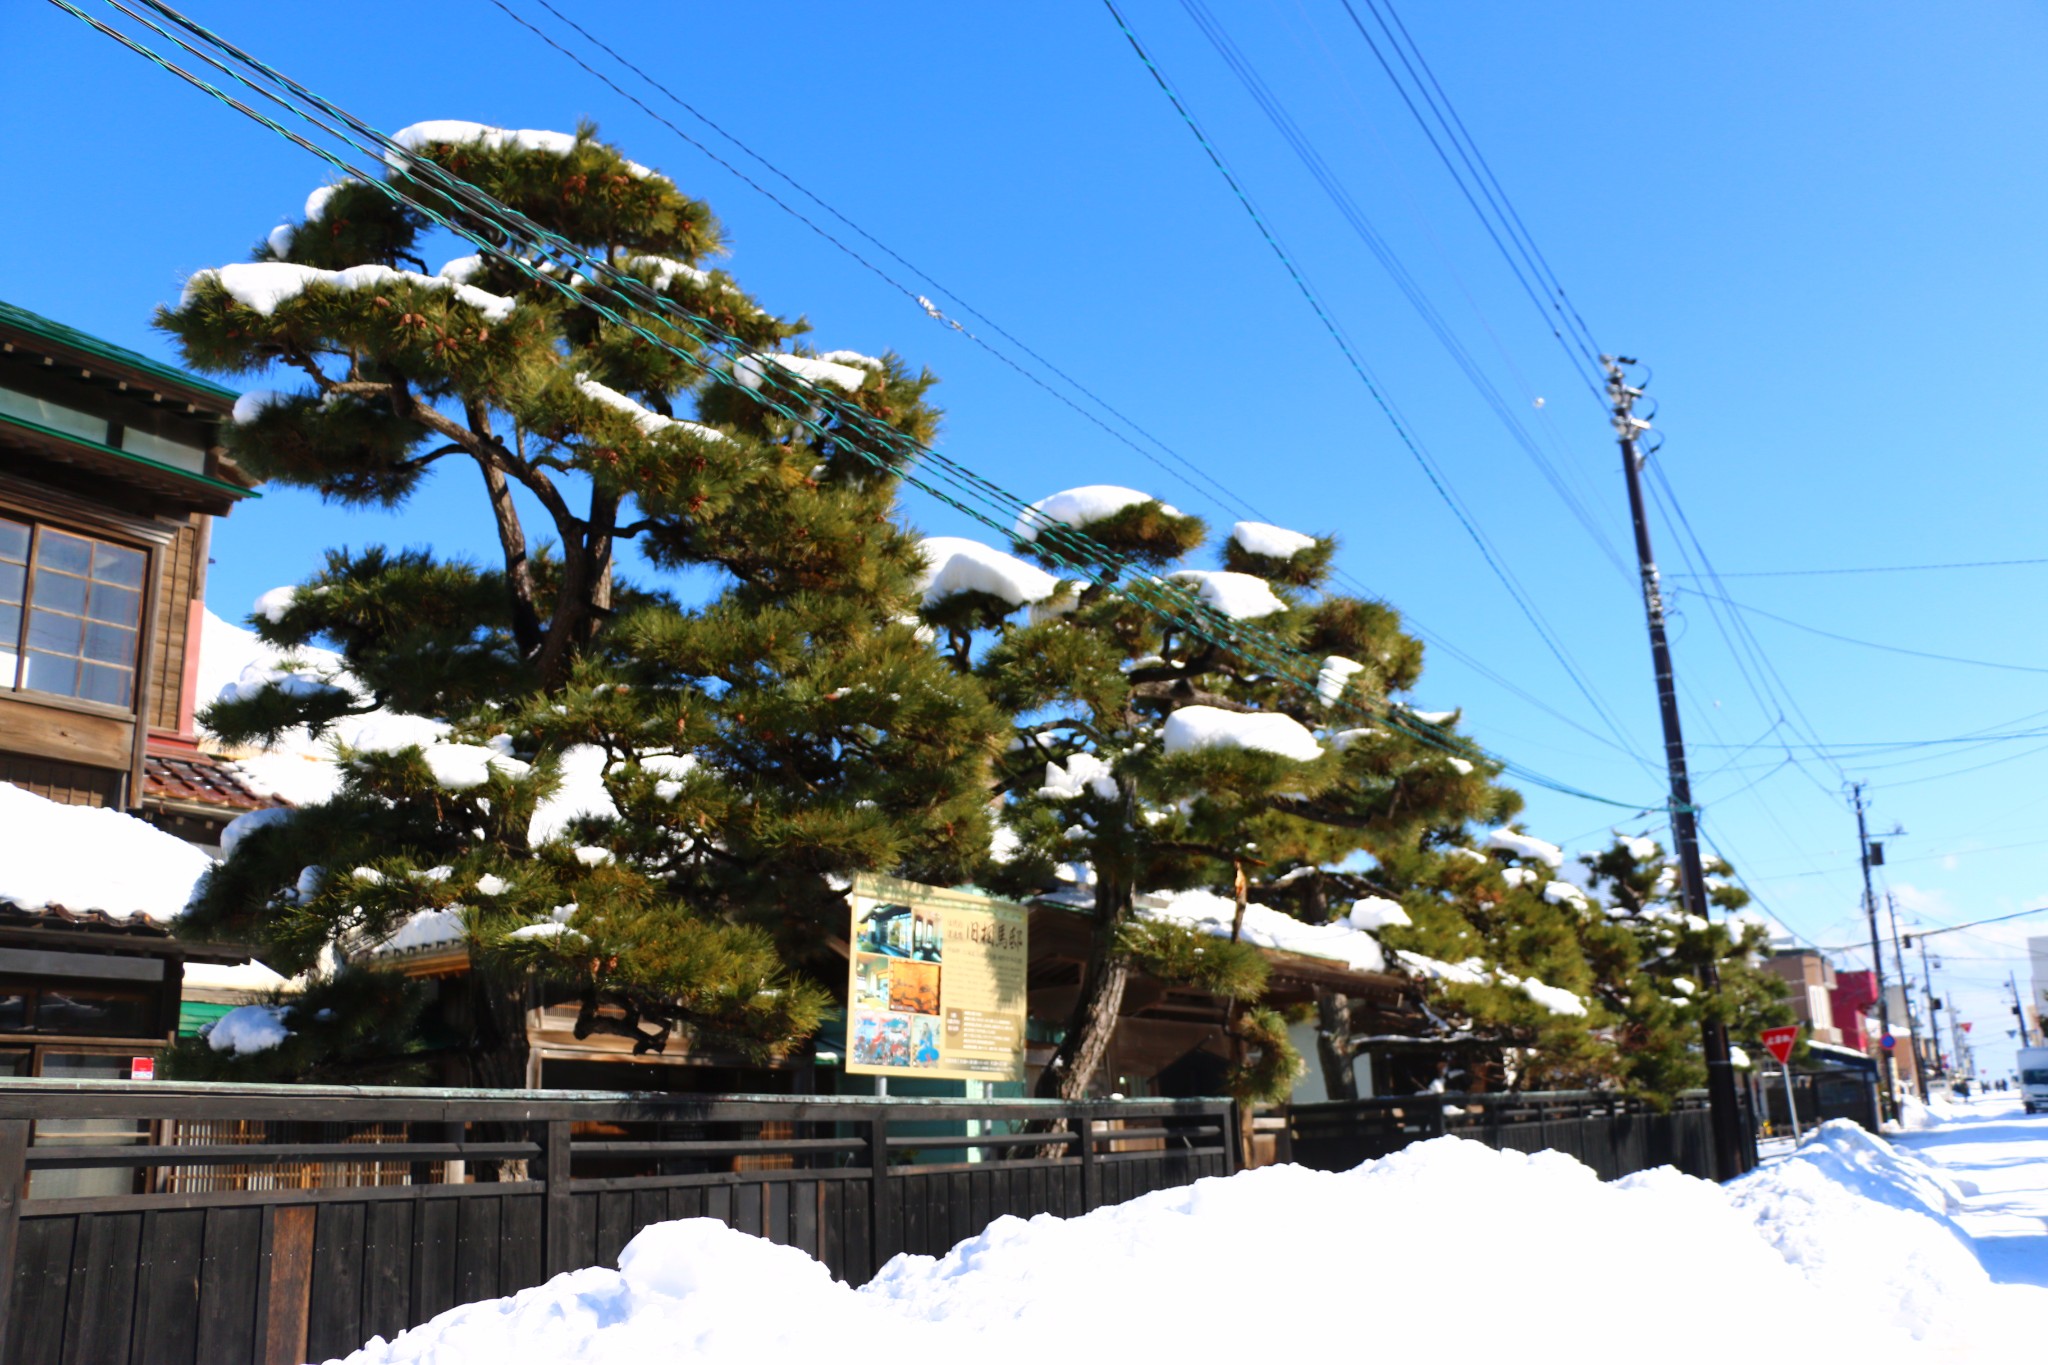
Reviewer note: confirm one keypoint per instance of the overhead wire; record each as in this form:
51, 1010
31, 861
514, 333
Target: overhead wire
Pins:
1868, 644
1168, 600
1407, 437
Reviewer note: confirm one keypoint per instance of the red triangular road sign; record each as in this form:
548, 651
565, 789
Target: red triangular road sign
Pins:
1779, 1042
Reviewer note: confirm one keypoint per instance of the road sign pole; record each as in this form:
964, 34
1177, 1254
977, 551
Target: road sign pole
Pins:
1791, 1103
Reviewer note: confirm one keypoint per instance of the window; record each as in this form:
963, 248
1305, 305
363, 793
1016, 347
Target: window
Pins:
80, 1009
70, 613
55, 416
183, 454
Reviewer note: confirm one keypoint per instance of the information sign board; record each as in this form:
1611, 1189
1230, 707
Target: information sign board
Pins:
935, 983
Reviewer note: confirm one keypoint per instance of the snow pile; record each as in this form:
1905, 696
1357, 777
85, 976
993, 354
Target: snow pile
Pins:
89, 858
1377, 912
1274, 542
414, 136
248, 1028
1240, 596
1195, 728
1525, 846
1791, 1263
648, 420
1078, 507
811, 369
1564, 893
254, 402
1334, 674
264, 285
1082, 772
1269, 928
957, 564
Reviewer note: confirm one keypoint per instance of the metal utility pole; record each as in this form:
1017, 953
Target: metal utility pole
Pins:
1906, 993
1734, 1152
1933, 1001
1884, 1009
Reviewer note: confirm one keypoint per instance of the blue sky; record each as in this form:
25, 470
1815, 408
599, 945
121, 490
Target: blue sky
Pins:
1818, 223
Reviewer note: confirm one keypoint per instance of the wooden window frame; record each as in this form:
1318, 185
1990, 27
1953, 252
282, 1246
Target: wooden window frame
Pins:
144, 621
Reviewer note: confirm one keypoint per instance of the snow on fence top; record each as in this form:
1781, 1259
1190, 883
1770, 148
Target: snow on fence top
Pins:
88, 858
263, 285
1195, 728
1240, 596
1525, 846
414, 136
1077, 507
957, 564
1274, 542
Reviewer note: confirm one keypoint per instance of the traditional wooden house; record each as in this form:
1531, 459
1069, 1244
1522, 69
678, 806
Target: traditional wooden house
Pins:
111, 472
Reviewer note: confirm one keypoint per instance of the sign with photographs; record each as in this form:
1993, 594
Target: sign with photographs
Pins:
935, 983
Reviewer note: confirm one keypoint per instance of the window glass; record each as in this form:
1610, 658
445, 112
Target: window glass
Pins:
84, 619
100, 1014
188, 457
13, 1011
16, 1061
56, 416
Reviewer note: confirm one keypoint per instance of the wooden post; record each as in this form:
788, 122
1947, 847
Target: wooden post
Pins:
881, 1192
558, 1242
1091, 1174
13, 1186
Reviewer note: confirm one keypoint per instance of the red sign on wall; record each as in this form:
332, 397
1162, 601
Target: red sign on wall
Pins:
1779, 1042
142, 1068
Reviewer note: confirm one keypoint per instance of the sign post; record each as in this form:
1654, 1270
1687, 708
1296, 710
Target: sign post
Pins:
1779, 1042
936, 983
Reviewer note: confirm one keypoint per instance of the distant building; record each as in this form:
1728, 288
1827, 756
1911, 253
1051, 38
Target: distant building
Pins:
2037, 951
1811, 979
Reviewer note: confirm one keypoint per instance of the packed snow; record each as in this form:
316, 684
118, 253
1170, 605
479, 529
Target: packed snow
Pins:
1377, 912
1836, 1253
1082, 772
957, 564
648, 420
89, 858
1195, 728
265, 285
1335, 673
414, 136
248, 1028
1240, 596
1525, 846
252, 403
1274, 542
1269, 928
1080, 507
811, 369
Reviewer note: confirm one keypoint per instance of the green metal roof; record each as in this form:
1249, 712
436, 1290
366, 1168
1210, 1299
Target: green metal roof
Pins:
58, 334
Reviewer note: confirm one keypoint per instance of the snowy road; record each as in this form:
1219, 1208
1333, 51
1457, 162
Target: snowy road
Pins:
1998, 1157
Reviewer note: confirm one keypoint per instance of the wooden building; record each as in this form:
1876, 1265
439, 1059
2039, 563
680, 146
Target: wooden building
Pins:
111, 473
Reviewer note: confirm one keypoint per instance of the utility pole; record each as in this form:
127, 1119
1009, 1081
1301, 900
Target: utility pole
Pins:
1933, 1001
1906, 993
1734, 1152
1884, 1009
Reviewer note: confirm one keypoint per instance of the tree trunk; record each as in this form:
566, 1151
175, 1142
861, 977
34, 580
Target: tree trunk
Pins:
1333, 1045
518, 568
498, 1054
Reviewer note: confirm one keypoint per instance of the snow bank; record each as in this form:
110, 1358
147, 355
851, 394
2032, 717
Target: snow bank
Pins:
1525, 846
248, 1028
1240, 596
264, 285
1274, 542
1802, 1268
1078, 507
1195, 728
89, 858
957, 564
1270, 928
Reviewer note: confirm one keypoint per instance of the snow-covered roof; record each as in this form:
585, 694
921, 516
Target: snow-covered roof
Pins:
88, 858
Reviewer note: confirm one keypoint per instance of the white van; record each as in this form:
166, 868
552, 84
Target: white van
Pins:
2034, 1079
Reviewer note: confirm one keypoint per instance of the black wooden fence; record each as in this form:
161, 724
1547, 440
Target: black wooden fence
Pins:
1614, 1136
216, 1225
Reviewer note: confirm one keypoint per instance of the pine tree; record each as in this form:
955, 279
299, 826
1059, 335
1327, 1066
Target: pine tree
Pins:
1153, 756
1651, 981
638, 796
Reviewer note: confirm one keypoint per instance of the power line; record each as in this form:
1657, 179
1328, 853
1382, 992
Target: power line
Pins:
807, 404
1868, 644
1230, 500
1358, 367
1880, 568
